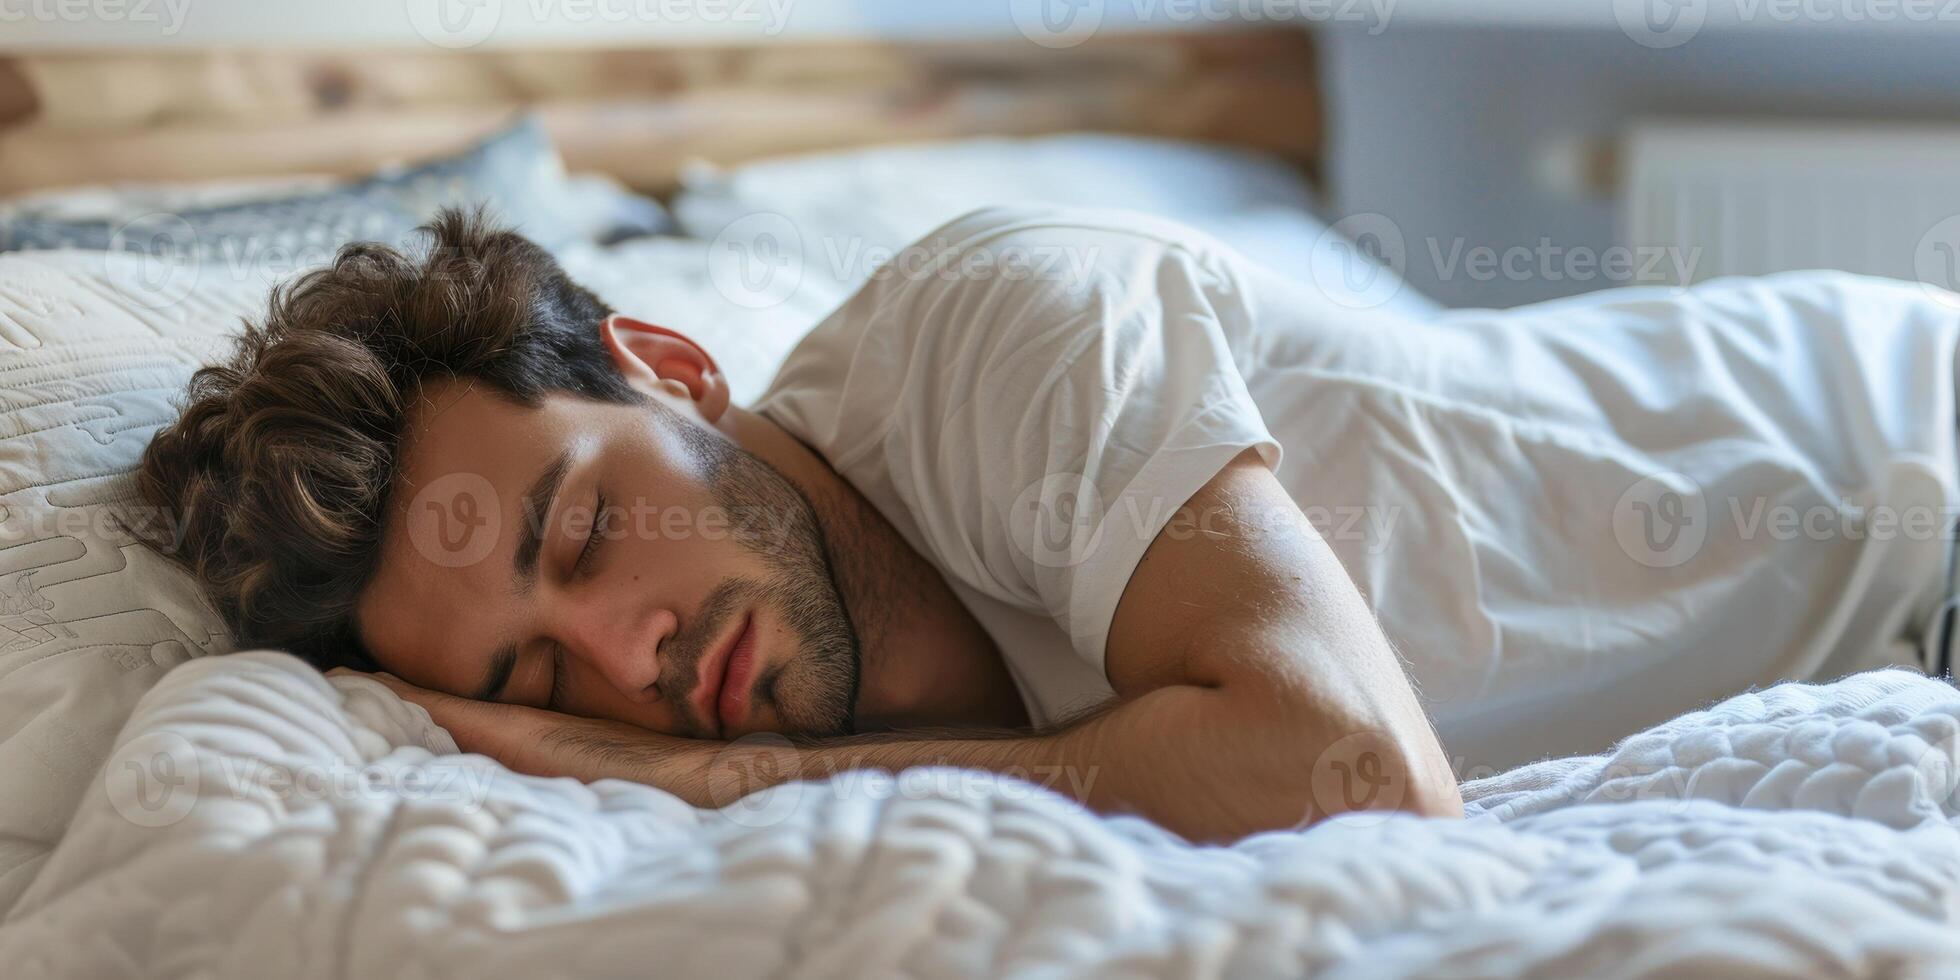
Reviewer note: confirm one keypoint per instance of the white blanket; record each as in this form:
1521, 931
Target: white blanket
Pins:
257, 820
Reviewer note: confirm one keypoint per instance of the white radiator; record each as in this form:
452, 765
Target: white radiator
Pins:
1752, 198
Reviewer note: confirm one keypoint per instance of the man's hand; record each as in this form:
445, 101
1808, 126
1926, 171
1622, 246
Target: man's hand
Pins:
547, 743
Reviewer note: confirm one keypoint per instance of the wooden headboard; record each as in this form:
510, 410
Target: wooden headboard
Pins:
639, 114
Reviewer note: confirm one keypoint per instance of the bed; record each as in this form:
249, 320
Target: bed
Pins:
173, 808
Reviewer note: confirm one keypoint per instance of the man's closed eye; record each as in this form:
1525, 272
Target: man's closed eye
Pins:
595, 533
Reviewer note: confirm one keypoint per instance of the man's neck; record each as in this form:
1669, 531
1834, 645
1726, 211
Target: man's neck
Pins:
926, 661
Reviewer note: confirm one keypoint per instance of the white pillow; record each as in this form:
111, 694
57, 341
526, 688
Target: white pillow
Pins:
906, 190
839, 208
94, 350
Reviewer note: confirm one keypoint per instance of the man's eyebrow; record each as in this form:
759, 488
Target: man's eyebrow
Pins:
502, 663
531, 515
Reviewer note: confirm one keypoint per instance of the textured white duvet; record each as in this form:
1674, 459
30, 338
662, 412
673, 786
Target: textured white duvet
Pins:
257, 820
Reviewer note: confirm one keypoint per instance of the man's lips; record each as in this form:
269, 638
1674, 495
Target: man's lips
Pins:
721, 694
733, 704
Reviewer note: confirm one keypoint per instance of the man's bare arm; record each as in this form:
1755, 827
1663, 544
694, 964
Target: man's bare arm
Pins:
1254, 691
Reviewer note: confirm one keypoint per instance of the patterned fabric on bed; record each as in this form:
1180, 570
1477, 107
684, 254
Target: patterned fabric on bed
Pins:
516, 172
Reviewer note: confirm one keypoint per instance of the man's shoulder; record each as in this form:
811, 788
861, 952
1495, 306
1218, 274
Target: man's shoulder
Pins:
1052, 228
1010, 267
998, 298
995, 266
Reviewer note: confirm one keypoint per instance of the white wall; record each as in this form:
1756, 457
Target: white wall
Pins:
1440, 128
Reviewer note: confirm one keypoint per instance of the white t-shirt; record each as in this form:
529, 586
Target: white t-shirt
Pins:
1572, 519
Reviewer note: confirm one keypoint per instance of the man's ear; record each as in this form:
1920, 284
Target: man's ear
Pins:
659, 361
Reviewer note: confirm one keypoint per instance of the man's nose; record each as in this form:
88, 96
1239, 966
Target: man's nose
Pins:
620, 644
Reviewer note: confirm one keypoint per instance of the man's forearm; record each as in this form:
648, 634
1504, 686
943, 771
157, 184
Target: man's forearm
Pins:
1212, 762
1208, 764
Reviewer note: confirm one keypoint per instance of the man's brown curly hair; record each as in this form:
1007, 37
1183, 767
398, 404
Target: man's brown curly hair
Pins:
275, 481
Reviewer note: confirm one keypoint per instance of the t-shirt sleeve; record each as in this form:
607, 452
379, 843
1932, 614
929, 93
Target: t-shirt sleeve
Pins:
1067, 389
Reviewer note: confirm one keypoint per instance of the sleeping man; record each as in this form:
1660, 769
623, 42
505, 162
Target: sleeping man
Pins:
1129, 524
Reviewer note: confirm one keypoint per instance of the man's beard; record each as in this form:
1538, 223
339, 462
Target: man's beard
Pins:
814, 692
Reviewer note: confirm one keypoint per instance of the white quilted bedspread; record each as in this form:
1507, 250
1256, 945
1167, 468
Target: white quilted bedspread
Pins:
256, 819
